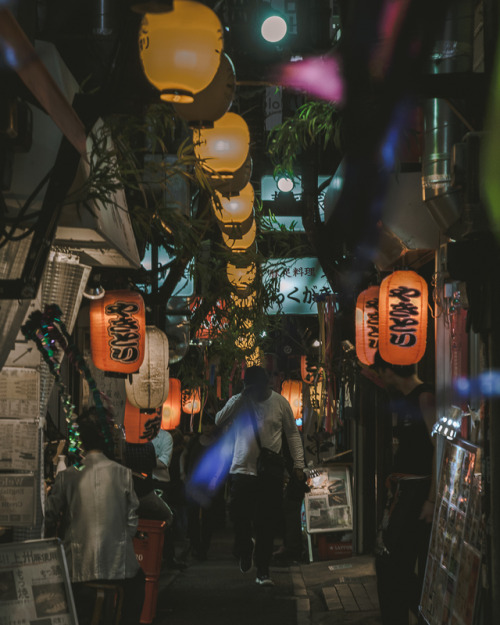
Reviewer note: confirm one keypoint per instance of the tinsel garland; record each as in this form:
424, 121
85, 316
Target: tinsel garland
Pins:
49, 333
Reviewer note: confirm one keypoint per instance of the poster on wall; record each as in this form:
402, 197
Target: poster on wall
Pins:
328, 505
454, 561
34, 584
18, 497
19, 393
18, 445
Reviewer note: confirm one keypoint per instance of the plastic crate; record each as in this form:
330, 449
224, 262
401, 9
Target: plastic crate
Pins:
150, 600
148, 546
330, 548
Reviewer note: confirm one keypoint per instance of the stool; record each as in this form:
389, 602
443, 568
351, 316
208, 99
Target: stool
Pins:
107, 595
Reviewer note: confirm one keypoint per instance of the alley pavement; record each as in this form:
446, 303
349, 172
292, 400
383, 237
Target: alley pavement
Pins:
215, 592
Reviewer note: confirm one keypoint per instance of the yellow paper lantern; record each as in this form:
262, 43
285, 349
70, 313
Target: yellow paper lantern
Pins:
180, 50
240, 244
245, 342
241, 278
172, 406
148, 388
292, 391
117, 331
256, 358
191, 401
367, 325
237, 208
211, 103
403, 301
232, 184
223, 148
245, 302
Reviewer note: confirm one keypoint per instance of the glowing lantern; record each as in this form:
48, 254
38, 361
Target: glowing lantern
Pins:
367, 325
245, 342
237, 208
191, 401
256, 359
211, 103
148, 388
240, 244
245, 302
223, 148
140, 426
180, 50
172, 409
117, 331
307, 373
229, 185
241, 278
292, 391
403, 301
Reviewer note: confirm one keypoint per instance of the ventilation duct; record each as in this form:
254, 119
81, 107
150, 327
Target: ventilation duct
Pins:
443, 128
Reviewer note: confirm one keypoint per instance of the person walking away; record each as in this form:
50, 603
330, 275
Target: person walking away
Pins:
255, 502
411, 492
95, 509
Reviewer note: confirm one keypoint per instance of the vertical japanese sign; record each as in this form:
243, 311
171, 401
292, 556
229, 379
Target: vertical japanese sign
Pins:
300, 282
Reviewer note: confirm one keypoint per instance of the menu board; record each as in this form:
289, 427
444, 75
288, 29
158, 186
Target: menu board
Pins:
19, 393
328, 505
454, 561
19, 445
34, 584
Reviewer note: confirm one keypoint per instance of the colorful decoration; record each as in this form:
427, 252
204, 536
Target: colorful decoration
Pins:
367, 325
50, 335
180, 50
148, 388
191, 401
117, 331
140, 426
172, 408
403, 302
292, 391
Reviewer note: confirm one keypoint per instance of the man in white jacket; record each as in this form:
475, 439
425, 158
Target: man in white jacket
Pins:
256, 501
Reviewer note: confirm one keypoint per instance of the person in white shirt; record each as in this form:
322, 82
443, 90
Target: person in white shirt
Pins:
255, 502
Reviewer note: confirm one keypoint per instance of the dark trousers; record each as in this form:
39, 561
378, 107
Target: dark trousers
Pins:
133, 600
406, 539
255, 511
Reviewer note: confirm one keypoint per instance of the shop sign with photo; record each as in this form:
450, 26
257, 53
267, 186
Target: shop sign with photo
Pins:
34, 584
328, 505
450, 589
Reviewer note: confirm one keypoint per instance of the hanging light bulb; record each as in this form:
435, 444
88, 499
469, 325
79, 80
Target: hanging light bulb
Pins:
180, 50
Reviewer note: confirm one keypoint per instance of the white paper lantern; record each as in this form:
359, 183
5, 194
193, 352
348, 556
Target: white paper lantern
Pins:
148, 388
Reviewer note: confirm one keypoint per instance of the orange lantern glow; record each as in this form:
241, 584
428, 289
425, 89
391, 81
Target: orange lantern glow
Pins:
241, 278
240, 244
229, 185
172, 408
256, 358
245, 341
211, 103
140, 426
292, 391
308, 373
191, 401
237, 208
118, 331
367, 325
223, 148
181, 50
403, 301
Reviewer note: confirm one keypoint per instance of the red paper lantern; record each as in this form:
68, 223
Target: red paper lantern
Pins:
191, 402
292, 391
403, 301
172, 409
140, 426
118, 331
367, 325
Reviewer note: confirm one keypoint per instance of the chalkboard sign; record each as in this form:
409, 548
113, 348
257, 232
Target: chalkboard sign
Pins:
34, 584
454, 560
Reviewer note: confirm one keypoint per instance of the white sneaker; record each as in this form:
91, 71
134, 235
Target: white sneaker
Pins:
264, 580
